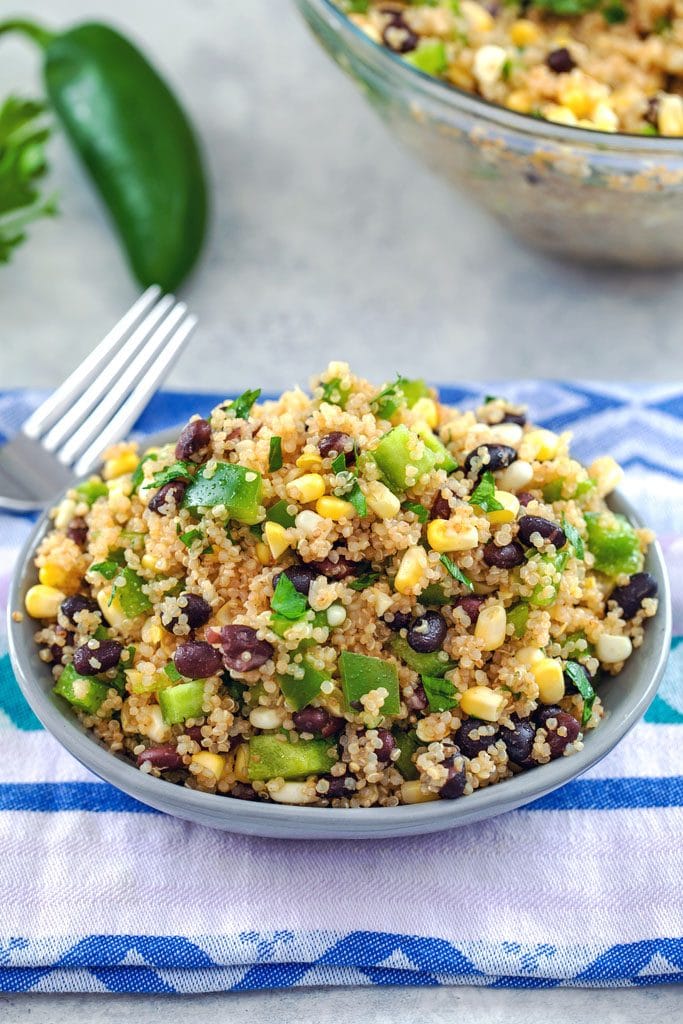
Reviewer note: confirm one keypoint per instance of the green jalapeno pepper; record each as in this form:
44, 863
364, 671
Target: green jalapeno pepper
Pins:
134, 139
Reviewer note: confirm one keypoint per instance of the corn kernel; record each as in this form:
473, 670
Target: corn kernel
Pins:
488, 64
334, 508
413, 793
670, 115
310, 461
152, 632
605, 118
477, 17
411, 570
540, 445
559, 115
612, 649
506, 514
292, 793
306, 488
266, 718
276, 538
121, 464
149, 563
491, 627
444, 535
241, 764
426, 409
461, 77
65, 513
111, 607
43, 601
550, 680
212, 763
150, 722
607, 474
382, 501
524, 32
520, 101
263, 553
516, 476
53, 575
528, 655
577, 100
482, 702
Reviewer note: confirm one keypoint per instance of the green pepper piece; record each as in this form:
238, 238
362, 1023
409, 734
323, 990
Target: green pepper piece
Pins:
361, 674
83, 692
300, 692
178, 703
551, 568
444, 459
430, 57
413, 390
393, 455
135, 141
272, 758
407, 743
91, 490
424, 664
434, 595
614, 543
131, 596
235, 487
518, 616
553, 490
278, 513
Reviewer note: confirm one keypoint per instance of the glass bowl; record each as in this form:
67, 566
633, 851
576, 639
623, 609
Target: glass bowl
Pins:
572, 192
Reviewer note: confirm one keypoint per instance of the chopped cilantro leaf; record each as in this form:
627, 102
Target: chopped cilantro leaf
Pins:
483, 494
190, 537
388, 401
339, 463
138, 475
456, 572
574, 538
365, 581
178, 471
275, 454
108, 569
578, 676
278, 513
334, 393
172, 672
242, 405
417, 509
357, 499
287, 601
440, 693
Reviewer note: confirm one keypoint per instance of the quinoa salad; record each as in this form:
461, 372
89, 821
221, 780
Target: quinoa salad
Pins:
353, 597
607, 65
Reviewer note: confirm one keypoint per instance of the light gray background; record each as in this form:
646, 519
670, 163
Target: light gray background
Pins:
327, 241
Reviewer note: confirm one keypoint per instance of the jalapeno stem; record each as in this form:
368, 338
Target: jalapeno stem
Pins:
29, 28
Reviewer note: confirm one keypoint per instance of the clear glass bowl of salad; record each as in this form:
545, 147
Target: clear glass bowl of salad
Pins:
593, 196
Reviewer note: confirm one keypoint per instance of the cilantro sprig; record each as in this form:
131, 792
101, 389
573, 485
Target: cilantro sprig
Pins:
483, 494
456, 572
286, 599
441, 694
241, 406
574, 538
363, 582
579, 677
275, 454
177, 471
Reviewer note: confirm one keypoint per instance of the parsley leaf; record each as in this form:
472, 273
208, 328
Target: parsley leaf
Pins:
178, 471
365, 581
357, 499
483, 494
190, 537
275, 454
172, 672
339, 463
334, 393
23, 135
388, 401
440, 693
456, 572
278, 513
579, 677
574, 538
242, 405
108, 569
138, 475
286, 600
417, 509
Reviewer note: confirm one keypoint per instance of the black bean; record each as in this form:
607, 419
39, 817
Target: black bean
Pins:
310, 719
428, 632
194, 732
301, 575
454, 786
336, 787
548, 530
488, 458
519, 740
630, 597
195, 608
337, 570
197, 660
77, 531
193, 440
243, 791
56, 649
474, 736
440, 508
560, 60
335, 443
523, 497
97, 656
241, 647
398, 36
333, 726
557, 743
397, 621
418, 701
71, 606
388, 745
514, 417
162, 757
471, 606
169, 497
506, 557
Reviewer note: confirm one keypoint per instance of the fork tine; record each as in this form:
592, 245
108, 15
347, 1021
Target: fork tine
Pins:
96, 391
90, 430
131, 408
52, 408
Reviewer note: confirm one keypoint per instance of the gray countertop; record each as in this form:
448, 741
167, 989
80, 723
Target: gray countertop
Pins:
328, 241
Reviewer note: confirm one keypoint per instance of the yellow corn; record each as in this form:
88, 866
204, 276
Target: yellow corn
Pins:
263, 553
605, 118
306, 488
491, 627
540, 445
53, 575
413, 793
152, 632
382, 501
310, 461
334, 508
528, 655
478, 18
550, 680
212, 763
426, 409
126, 462
277, 539
461, 77
444, 535
111, 607
506, 514
42, 601
577, 100
607, 474
520, 101
65, 513
241, 763
670, 115
559, 115
482, 702
410, 571
524, 32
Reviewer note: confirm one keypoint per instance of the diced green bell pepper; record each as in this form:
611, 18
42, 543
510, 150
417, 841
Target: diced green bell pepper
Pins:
425, 664
614, 543
518, 616
434, 595
83, 692
300, 692
131, 596
278, 513
235, 487
393, 455
91, 490
178, 703
430, 57
444, 459
407, 743
413, 390
271, 758
361, 674
553, 490
539, 599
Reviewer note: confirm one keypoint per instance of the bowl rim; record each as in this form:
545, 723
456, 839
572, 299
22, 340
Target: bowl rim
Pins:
449, 95
276, 819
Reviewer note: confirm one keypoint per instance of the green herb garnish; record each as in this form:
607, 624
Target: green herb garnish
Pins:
172, 672
440, 693
190, 537
334, 393
286, 600
138, 475
108, 569
456, 572
615, 13
357, 499
339, 463
574, 537
241, 406
578, 676
365, 581
278, 513
178, 471
23, 135
417, 509
483, 494
275, 454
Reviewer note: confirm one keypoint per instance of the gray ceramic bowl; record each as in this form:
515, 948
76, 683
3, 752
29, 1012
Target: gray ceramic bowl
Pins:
626, 698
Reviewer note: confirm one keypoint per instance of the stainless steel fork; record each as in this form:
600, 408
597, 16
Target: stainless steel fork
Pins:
96, 405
